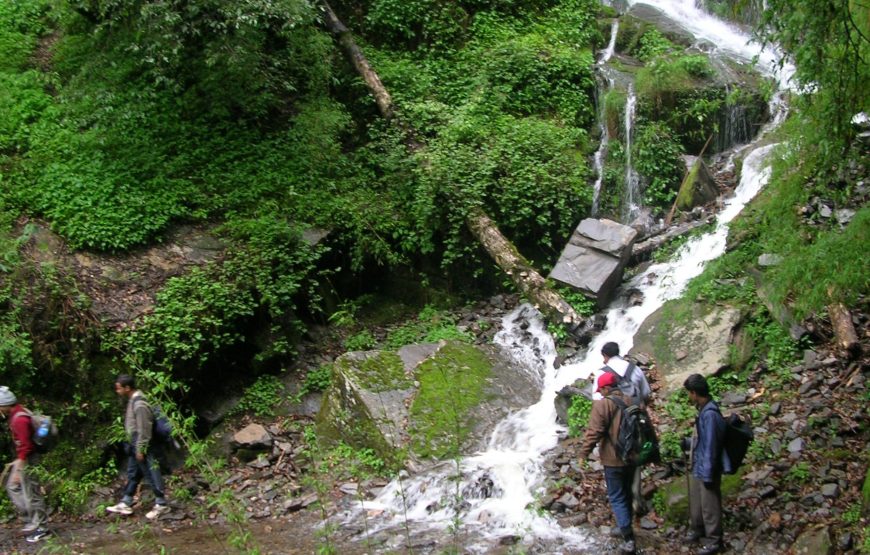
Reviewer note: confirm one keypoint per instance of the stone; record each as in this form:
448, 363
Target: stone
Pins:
706, 338
775, 408
831, 491
594, 258
698, 187
648, 524
796, 445
253, 437
569, 501
766, 260
814, 541
733, 398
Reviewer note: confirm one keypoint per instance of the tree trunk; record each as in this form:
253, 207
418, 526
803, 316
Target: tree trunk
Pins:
503, 252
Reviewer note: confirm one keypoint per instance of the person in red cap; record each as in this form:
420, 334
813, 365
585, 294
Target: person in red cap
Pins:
603, 430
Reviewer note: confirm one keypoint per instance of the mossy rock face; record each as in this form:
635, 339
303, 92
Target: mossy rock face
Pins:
685, 337
432, 401
698, 188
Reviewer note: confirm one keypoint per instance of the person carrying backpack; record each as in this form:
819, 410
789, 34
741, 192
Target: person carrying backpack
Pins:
603, 430
23, 490
632, 382
707, 462
142, 462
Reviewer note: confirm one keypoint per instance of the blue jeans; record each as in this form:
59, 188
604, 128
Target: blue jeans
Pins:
619, 480
148, 469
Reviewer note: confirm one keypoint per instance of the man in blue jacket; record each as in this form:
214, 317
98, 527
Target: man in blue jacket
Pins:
707, 461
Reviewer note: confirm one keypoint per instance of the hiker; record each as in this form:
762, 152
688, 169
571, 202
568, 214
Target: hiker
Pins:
23, 490
143, 461
603, 430
635, 385
707, 462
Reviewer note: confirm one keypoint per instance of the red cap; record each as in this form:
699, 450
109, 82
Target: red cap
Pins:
606, 379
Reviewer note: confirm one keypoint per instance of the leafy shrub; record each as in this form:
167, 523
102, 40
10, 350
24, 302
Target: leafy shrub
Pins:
578, 415
261, 396
361, 341
652, 44
657, 156
317, 379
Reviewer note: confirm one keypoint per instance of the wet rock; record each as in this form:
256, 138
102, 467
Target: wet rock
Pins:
569, 502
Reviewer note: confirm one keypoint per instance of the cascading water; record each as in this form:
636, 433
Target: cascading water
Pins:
598, 159
490, 494
632, 179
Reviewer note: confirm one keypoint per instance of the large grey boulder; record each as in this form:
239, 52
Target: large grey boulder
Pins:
703, 339
595, 257
427, 401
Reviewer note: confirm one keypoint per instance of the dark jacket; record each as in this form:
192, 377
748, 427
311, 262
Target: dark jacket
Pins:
708, 454
603, 429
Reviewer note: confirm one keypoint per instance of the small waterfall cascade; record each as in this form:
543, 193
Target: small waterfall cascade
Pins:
632, 196
490, 494
734, 126
497, 487
605, 84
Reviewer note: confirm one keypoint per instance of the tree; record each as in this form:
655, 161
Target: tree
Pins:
829, 42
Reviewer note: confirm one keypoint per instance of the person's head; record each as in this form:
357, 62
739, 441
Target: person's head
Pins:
606, 382
7, 400
697, 388
609, 350
125, 385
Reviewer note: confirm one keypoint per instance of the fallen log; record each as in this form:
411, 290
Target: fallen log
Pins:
546, 299
644, 249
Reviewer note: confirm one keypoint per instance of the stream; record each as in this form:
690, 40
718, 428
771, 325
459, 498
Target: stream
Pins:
485, 498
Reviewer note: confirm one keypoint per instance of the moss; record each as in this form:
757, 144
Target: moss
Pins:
451, 384
684, 198
380, 371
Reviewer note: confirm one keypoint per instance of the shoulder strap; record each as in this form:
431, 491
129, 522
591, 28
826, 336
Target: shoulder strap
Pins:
619, 402
628, 371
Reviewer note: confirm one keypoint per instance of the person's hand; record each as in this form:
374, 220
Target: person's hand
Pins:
140, 457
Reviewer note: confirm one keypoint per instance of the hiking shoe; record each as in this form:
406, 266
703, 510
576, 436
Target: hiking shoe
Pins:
37, 535
615, 532
121, 509
157, 511
709, 549
29, 528
627, 547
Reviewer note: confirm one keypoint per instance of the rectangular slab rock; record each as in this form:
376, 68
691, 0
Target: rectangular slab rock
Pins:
595, 257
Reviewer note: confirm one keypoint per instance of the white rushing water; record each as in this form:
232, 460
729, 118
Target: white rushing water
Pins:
632, 179
495, 493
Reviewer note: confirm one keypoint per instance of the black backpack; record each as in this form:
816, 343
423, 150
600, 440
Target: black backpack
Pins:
738, 437
624, 383
161, 427
637, 443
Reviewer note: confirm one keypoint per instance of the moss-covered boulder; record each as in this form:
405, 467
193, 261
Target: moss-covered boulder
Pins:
424, 402
686, 338
698, 187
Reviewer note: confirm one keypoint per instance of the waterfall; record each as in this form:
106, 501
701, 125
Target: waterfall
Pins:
632, 180
601, 153
490, 494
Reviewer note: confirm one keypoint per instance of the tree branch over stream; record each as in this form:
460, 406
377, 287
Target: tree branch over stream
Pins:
531, 283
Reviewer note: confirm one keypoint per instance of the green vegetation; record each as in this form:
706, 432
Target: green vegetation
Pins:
261, 397
578, 415
451, 384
